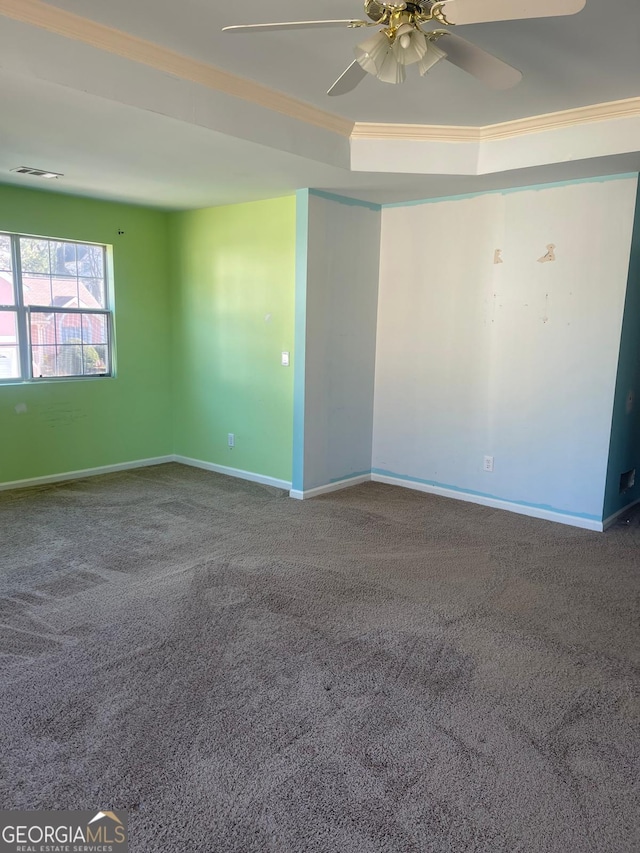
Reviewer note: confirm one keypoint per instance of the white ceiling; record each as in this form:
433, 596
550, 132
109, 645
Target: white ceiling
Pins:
112, 147
567, 62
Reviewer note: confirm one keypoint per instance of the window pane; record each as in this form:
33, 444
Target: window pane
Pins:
90, 261
9, 362
8, 328
69, 328
69, 344
43, 329
63, 258
43, 361
95, 329
92, 293
9, 353
70, 362
96, 359
65, 292
5, 254
36, 289
34, 255
7, 293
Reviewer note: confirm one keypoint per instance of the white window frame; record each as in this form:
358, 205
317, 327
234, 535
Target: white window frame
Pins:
23, 313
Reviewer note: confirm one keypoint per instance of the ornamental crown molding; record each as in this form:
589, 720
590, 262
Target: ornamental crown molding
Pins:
629, 108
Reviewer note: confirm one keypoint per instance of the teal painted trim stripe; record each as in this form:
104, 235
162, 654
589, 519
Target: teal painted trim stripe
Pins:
300, 361
545, 507
343, 199
510, 190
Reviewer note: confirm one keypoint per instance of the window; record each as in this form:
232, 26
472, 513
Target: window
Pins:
55, 318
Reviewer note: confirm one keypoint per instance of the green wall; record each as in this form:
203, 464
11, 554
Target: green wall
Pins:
233, 316
78, 424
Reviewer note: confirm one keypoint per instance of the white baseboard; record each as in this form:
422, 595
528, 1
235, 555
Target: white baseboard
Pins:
85, 472
533, 512
330, 487
496, 503
616, 515
233, 472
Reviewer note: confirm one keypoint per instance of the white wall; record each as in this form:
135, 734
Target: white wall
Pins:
343, 252
517, 360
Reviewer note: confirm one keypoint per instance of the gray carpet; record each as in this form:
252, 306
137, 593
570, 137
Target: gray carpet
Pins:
374, 670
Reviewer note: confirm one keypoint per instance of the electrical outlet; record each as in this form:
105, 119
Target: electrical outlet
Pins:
231, 440
488, 464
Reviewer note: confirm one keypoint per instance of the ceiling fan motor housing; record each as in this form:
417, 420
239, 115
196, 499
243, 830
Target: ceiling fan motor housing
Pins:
381, 12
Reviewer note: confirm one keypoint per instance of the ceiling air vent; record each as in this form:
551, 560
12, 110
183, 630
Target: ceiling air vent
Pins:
37, 173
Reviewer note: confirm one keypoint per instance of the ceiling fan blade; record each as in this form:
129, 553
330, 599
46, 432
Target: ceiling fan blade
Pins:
294, 25
472, 59
348, 81
484, 11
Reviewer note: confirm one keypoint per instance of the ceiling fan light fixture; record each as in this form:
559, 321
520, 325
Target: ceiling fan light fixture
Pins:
432, 56
410, 45
379, 56
391, 71
372, 53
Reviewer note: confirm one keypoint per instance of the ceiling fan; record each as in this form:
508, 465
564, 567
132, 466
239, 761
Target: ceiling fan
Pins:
411, 34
